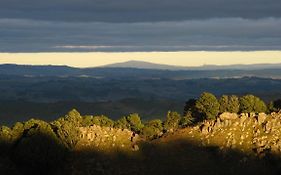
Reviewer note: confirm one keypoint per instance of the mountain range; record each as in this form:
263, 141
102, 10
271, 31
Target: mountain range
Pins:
148, 65
146, 70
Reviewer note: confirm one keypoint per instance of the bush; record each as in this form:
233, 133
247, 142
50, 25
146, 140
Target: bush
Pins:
152, 129
251, 103
274, 106
122, 123
189, 107
132, 122
186, 120
172, 121
229, 104
67, 128
97, 120
39, 151
5, 139
135, 122
208, 106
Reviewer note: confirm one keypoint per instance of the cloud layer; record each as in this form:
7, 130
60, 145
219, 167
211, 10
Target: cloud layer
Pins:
138, 10
139, 25
212, 34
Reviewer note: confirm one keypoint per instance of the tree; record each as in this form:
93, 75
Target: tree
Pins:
172, 121
73, 117
122, 123
97, 120
67, 128
275, 106
251, 103
229, 104
5, 139
135, 122
103, 121
186, 120
234, 104
39, 150
189, 107
17, 131
208, 105
152, 129
223, 104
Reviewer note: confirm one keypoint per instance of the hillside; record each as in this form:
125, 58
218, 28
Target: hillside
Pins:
144, 70
236, 144
248, 143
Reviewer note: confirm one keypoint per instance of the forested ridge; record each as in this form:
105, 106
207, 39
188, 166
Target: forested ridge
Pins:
40, 147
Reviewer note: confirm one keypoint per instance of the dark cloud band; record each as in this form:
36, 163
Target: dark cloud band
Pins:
138, 10
17, 35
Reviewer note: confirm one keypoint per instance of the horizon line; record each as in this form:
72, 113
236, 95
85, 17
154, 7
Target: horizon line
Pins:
177, 58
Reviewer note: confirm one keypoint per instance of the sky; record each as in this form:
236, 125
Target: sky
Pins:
181, 28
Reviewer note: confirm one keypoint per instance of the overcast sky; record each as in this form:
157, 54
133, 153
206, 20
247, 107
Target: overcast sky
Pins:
139, 25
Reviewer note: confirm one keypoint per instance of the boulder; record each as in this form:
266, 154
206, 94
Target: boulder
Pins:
243, 117
228, 116
135, 148
261, 118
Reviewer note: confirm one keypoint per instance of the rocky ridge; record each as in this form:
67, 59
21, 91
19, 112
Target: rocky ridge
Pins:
106, 138
257, 134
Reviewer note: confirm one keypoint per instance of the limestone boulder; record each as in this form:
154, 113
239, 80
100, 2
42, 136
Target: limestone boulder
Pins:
228, 116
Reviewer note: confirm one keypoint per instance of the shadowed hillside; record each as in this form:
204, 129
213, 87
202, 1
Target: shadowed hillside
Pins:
233, 135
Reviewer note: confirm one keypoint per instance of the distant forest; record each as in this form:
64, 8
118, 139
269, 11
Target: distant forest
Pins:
46, 92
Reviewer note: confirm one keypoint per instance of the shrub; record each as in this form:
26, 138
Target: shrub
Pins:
97, 120
186, 120
172, 121
66, 128
251, 103
135, 122
39, 151
152, 129
208, 105
229, 104
275, 106
122, 123
5, 139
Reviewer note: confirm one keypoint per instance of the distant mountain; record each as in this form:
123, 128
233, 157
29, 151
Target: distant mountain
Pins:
148, 65
144, 65
144, 70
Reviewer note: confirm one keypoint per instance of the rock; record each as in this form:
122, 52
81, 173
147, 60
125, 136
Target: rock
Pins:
243, 118
261, 118
228, 116
205, 129
135, 148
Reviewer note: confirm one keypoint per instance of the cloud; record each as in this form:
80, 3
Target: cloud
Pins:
138, 10
18, 35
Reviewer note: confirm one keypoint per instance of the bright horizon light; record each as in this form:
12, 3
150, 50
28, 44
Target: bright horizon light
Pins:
183, 58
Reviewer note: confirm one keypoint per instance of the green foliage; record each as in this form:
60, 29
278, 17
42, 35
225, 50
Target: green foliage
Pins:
97, 120
122, 123
39, 150
74, 117
186, 120
208, 105
5, 139
274, 106
132, 122
103, 121
135, 122
251, 103
172, 121
229, 104
189, 107
66, 128
17, 131
152, 129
